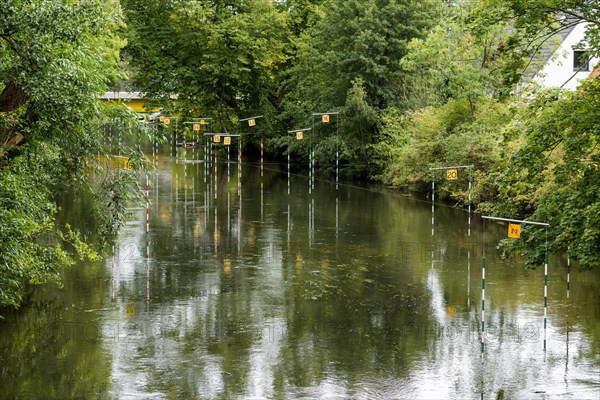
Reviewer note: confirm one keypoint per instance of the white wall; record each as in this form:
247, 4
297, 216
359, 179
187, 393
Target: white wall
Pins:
560, 68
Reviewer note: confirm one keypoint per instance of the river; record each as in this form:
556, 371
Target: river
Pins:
250, 292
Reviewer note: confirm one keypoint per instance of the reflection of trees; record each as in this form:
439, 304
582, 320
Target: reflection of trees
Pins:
51, 348
346, 313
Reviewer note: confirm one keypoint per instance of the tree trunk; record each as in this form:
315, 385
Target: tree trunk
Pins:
11, 98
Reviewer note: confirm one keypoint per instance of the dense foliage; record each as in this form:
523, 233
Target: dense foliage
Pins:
55, 59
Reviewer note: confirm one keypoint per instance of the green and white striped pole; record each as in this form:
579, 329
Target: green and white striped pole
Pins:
517, 221
433, 192
469, 222
545, 296
483, 302
469, 280
298, 132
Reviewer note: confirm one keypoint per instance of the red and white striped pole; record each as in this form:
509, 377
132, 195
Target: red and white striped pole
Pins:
147, 204
148, 239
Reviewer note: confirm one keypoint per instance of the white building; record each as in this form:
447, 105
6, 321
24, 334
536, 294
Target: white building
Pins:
567, 65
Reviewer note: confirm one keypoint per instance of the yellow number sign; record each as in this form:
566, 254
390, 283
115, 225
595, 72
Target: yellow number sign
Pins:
452, 174
127, 165
514, 231
325, 118
299, 136
167, 121
251, 122
161, 118
217, 138
196, 127
227, 140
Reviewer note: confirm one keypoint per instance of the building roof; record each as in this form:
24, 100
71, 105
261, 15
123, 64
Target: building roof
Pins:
122, 96
544, 54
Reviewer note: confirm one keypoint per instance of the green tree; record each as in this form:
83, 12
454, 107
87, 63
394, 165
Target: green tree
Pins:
534, 25
555, 176
55, 59
360, 39
349, 61
218, 58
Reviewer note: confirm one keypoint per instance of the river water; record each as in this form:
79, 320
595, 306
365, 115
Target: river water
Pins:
250, 292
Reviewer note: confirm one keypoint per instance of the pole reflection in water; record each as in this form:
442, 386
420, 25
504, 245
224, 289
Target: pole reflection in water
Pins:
176, 173
337, 222
228, 213
239, 227
289, 224
216, 235
432, 204
216, 173
240, 167
148, 272
469, 279
112, 275
147, 203
206, 205
568, 273
311, 222
148, 239
156, 188
205, 158
228, 163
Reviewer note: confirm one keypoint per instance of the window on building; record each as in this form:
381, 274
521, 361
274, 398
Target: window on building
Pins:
581, 62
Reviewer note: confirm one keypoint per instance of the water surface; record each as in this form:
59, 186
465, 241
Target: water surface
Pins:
253, 293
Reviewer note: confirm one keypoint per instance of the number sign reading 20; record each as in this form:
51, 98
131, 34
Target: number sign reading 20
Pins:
452, 174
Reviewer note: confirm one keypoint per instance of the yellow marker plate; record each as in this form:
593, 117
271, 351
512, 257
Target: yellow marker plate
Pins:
514, 231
